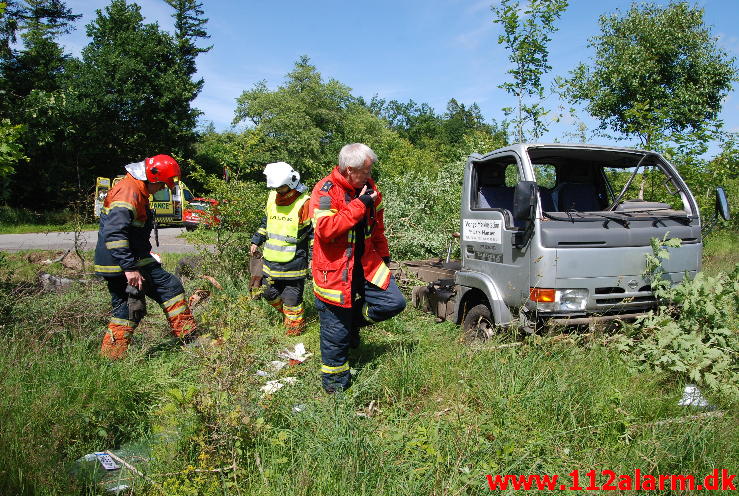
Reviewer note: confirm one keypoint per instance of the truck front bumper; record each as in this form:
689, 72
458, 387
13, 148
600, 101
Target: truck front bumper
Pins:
594, 319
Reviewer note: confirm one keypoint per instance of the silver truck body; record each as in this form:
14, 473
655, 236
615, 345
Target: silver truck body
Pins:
585, 254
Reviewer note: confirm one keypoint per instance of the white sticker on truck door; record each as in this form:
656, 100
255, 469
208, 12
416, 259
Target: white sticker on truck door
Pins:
482, 231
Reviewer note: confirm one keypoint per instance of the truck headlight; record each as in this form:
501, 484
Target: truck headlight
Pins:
552, 300
572, 299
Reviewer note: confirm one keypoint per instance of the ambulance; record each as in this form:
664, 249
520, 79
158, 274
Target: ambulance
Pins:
167, 205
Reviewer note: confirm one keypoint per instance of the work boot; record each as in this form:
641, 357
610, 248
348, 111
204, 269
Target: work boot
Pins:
294, 319
276, 304
199, 339
116, 340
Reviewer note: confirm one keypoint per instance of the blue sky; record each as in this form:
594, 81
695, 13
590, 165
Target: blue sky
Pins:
427, 50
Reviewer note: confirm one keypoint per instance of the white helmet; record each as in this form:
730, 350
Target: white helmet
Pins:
279, 173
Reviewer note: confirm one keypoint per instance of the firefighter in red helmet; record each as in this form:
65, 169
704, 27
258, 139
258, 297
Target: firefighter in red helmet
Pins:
123, 256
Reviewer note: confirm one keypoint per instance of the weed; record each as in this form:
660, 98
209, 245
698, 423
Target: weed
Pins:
427, 414
694, 331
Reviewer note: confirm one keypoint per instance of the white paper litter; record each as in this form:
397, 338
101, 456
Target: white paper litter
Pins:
692, 397
277, 384
118, 489
106, 461
298, 353
274, 366
277, 365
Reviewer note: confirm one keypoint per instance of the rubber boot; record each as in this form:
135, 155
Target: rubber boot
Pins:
294, 320
277, 304
180, 318
116, 341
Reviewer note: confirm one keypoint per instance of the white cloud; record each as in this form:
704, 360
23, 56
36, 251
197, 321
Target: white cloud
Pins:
470, 40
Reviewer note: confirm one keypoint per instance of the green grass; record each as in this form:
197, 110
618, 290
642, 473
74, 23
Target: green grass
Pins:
21, 220
427, 414
45, 228
721, 251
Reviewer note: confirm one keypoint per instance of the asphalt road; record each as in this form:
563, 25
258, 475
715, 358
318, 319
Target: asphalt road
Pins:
168, 241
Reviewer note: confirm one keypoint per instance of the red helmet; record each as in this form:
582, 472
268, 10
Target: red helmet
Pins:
162, 169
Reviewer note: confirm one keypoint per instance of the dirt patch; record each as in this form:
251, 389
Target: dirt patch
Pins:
73, 261
64, 263
44, 257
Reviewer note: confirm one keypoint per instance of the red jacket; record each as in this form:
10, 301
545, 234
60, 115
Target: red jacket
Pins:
336, 211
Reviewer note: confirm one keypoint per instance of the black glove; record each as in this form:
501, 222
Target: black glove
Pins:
136, 303
386, 260
366, 198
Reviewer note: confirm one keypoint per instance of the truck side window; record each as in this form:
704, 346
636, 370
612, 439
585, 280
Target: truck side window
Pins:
546, 180
188, 195
495, 182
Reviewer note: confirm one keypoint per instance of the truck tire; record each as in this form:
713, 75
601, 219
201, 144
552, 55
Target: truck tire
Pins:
478, 324
190, 228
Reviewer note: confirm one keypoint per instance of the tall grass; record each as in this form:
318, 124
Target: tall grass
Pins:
721, 251
427, 413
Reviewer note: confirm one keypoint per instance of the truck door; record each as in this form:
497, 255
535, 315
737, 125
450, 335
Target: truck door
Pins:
102, 186
488, 228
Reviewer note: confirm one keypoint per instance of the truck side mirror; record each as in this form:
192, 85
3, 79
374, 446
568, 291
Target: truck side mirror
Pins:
722, 204
524, 201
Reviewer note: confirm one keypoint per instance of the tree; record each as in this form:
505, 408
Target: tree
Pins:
33, 93
418, 123
129, 99
11, 151
10, 13
656, 71
39, 62
444, 136
460, 120
303, 122
526, 35
189, 28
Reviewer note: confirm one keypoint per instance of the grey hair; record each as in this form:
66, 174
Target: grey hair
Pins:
354, 155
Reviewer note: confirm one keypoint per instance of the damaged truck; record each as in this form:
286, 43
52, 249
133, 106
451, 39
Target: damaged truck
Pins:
558, 234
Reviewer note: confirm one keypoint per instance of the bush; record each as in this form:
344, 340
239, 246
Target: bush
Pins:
12, 216
694, 331
422, 211
241, 207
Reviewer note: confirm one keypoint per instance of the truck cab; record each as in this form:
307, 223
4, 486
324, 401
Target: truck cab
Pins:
558, 234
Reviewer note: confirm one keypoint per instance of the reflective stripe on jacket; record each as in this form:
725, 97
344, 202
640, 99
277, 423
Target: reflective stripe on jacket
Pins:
283, 224
336, 211
125, 227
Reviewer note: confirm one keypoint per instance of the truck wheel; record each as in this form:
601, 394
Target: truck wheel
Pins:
478, 324
190, 228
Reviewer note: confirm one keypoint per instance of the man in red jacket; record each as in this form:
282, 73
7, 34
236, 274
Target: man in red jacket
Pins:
352, 283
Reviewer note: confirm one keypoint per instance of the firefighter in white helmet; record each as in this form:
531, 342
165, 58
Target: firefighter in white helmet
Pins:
286, 232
